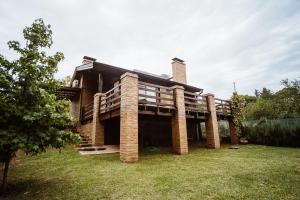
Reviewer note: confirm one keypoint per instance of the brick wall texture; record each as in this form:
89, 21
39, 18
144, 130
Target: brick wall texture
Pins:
179, 131
211, 125
129, 118
98, 126
179, 72
86, 129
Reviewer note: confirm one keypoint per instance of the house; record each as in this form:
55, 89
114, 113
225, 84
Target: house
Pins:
135, 109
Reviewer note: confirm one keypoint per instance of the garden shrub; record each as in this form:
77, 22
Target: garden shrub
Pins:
284, 132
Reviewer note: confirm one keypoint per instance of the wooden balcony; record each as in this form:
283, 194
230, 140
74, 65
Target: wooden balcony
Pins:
195, 105
223, 108
156, 100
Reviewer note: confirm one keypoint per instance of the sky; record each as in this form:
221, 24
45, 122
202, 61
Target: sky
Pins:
254, 43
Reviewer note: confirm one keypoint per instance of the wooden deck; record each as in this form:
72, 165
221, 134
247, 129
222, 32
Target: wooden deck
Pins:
156, 100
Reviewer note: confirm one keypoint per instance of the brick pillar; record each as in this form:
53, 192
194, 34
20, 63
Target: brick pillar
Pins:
179, 132
97, 126
233, 132
129, 118
211, 124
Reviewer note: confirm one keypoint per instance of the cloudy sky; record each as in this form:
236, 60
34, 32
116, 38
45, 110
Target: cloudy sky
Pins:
254, 43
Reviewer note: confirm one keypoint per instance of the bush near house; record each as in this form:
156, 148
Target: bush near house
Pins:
277, 132
272, 118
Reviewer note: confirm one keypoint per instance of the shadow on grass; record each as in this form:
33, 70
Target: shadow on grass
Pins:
25, 189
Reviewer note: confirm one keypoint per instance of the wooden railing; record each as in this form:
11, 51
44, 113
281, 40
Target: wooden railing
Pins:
87, 111
111, 100
223, 107
155, 95
195, 102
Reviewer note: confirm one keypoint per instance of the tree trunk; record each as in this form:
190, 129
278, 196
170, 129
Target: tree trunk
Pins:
5, 173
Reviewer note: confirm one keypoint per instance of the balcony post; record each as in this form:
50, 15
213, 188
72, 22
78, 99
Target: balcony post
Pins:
97, 126
179, 130
211, 124
129, 118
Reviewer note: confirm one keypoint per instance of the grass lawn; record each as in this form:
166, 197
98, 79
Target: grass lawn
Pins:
251, 172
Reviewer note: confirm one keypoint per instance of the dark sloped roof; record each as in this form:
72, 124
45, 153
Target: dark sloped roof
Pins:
113, 71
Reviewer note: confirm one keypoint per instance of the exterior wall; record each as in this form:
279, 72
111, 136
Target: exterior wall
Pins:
112, 131
88, 90
179, 130
86, 129
211, 125
129, 118
98, 126
75, 108
179, 71
193, 130
155, 131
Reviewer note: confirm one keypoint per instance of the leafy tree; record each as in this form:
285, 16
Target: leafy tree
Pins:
66, 81
262, 108
266, 94
248, 100
237, 106
284, 103
288, 98
32, 118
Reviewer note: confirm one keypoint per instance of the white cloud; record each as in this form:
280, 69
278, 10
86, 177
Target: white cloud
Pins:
254, 43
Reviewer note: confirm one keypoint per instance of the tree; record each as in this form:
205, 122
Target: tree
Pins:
262, 108
66, 81
32, 118
266, 94
248, 100
237, 106
284, 103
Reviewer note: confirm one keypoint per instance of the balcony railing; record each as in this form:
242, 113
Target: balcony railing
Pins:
195, 102
155, 95
151, 95
223, 107
111, 100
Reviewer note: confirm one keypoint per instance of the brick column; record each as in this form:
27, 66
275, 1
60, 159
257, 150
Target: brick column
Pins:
211, 124
129, 118
97, 126
179, 132
233, 132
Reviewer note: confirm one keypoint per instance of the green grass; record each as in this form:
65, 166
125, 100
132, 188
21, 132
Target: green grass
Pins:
251, 172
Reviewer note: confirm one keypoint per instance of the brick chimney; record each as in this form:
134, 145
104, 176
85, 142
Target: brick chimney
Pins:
87, 60
179, 70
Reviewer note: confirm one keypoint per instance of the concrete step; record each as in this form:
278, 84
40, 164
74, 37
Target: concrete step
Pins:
85, 145
93, 148
86, 140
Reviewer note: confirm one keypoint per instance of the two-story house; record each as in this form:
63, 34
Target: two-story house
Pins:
134, 109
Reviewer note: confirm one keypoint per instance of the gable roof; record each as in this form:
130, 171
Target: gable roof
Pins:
110, 70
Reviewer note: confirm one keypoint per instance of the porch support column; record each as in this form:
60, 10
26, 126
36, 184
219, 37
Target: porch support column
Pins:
179, 130
129, 118
233, 132
211, 124
97, 126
